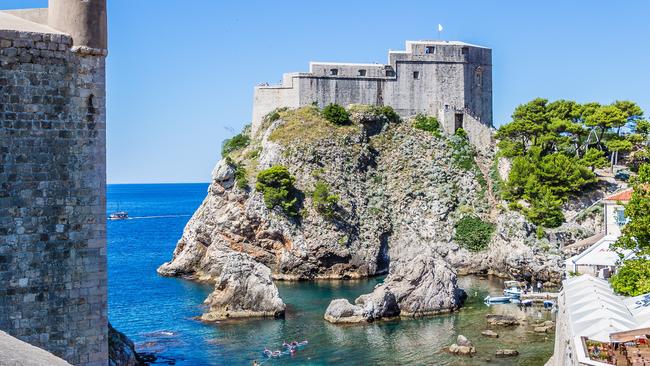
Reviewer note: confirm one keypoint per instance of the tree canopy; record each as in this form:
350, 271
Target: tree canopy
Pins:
555, 148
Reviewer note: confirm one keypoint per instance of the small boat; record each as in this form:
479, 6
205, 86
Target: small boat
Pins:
512, 289
513, 292
119, 215
496, 299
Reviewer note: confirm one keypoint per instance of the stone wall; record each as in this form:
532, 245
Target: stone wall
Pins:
52, 195
449, 80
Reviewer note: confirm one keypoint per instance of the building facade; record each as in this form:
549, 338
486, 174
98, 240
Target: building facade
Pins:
447, 79
53, 179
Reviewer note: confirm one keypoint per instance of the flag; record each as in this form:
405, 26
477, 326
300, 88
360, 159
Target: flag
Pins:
439, 27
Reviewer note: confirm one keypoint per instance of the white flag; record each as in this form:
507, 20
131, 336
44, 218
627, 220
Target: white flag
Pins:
439, 27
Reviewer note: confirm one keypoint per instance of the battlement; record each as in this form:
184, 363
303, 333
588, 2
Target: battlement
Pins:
451, 80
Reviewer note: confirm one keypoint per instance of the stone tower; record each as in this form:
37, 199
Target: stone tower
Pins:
53, 179
448, 79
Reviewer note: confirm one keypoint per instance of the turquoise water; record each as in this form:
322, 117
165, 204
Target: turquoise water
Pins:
158, 313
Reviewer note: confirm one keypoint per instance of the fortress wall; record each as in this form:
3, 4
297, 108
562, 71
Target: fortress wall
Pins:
343, 91
435, 83
267, 99
450, 80
52, 196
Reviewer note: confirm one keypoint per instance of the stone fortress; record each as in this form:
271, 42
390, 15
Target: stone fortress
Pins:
53, 291
448, 79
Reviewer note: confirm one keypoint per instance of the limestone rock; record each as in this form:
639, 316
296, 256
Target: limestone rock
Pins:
243, 288
490, 333
462, 346
341, 311
224, 174
395, 215
501, 353
424, 285
121, 351
461, 340
545, 327
502, 320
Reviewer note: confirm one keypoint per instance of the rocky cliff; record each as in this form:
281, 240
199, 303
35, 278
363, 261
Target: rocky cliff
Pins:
400, 192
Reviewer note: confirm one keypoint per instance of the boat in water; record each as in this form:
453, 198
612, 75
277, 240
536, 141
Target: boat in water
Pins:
513, 289
119, 215
489, 300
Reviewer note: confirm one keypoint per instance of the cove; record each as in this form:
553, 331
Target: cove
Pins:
158, 313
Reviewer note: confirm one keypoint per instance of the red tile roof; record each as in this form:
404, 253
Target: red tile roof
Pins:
623, 196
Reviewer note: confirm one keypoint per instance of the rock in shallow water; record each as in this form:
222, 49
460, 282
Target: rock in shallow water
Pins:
490, 333
501, 353
502, 320
427, 286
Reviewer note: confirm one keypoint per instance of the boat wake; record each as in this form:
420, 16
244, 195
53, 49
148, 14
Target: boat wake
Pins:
155, 217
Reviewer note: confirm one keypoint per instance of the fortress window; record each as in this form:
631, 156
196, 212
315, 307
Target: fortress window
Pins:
390, 73
362, 72
334, 72
458, 121
465, 50
430, 49
416, 74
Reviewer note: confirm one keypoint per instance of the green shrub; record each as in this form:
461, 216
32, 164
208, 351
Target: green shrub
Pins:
473, 233
324, 202
336, 114
427, 123
461, 132
540, 232
235, 143
240, 177
462, 155
388, 112
276, 184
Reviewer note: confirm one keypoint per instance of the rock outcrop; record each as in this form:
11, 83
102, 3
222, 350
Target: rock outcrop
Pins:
400, 190
502, 320
462, 347
121, 351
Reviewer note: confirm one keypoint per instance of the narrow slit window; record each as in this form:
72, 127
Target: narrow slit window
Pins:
416, 74
362, 72
430, 49
334, 72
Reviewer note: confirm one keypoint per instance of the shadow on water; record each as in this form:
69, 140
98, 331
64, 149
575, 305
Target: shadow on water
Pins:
158, 313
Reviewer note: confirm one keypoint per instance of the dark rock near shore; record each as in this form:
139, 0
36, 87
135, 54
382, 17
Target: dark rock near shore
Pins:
503, 353
121, 351
502, 320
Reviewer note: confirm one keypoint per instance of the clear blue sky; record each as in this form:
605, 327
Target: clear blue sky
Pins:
181, 73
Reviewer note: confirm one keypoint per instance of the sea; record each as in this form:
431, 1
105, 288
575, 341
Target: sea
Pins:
159, 313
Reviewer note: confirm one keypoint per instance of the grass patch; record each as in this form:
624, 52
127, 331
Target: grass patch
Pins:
306, 125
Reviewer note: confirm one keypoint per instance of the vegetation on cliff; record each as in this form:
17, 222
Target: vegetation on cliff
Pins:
556, 146
633, 278
336, 114
473, 233
276, 185
427, 123
235, 143
324, 202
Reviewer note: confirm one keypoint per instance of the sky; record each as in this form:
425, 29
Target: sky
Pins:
180, 73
